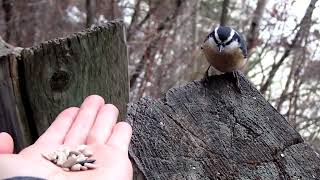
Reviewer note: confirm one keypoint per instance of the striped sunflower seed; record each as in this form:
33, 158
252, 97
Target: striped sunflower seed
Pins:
69, 162
90, 165
76, 167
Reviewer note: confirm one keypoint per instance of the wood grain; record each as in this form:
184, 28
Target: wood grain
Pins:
61, 73
210, 131
44, 80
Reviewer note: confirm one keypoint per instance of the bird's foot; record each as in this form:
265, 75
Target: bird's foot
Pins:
236, 76
205, 79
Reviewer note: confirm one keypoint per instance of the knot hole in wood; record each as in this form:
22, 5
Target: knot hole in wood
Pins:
60, 81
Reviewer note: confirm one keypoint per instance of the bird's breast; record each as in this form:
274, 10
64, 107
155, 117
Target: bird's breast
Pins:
225, 62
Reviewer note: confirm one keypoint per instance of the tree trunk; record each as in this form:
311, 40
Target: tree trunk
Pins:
224, 13
210, 131
165, 25
7, 6
253, 34
90, 7
58, 74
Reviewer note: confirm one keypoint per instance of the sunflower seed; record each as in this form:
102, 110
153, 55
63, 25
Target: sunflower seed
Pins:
55, 161
83, 168
87, 152
62, 157
66, 151
74, 153
81, 157
66, 169
86, 161
49, 156
76, 167
72, 160
90, 165
69, 162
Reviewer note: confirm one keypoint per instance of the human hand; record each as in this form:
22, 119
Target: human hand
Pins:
93, 124
6, 143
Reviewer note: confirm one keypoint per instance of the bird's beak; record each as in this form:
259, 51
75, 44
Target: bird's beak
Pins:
220, 48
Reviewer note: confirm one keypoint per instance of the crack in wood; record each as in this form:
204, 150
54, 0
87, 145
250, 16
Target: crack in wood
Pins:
237, 137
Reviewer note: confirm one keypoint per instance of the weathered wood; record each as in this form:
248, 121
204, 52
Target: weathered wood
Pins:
8, 114
60, 73
9, 121
210, 131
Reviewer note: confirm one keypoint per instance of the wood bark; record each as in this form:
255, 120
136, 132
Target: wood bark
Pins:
60, 73
210, 131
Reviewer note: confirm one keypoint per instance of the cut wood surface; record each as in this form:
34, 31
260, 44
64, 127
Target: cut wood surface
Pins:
60, 73
210, 131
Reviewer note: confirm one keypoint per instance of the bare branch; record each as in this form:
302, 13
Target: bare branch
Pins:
165, 25
297, 39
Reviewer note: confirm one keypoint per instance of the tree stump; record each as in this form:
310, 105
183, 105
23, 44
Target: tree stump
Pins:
210, 131
60, 73
9, 121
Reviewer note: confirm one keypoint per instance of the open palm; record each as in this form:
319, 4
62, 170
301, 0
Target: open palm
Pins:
94, 124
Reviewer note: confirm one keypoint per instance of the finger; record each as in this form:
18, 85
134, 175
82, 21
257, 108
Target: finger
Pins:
57, 131
102, 127
120, 137
6, 143
84, 120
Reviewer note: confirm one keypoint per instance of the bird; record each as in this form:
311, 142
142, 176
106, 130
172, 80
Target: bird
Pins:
226, 51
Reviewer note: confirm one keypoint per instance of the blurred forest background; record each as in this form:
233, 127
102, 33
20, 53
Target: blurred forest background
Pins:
163, 38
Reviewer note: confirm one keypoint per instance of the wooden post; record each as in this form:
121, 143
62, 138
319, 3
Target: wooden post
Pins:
60, 73
210, 131
9, 118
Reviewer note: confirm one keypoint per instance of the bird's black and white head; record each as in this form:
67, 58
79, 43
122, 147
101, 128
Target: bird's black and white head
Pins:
225, 49
224, 39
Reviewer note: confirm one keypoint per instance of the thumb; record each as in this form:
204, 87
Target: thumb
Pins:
6, 143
